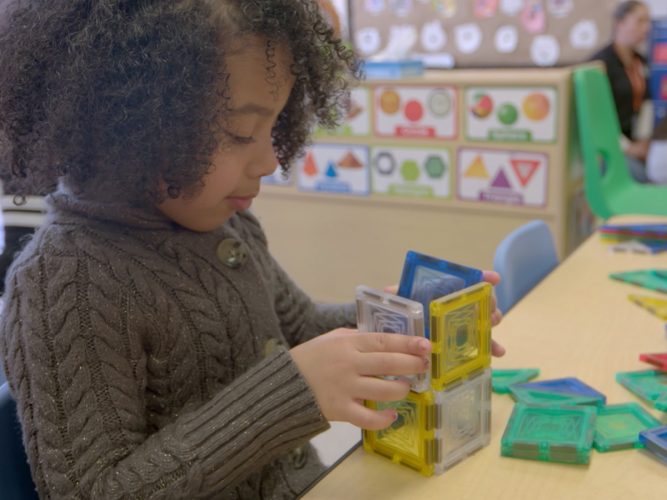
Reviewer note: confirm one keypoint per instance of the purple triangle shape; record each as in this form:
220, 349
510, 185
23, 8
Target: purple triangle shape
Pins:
501, 180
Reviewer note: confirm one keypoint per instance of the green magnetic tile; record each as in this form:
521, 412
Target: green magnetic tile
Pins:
650, 385
617, 427
502, 379
651, 279
550, 434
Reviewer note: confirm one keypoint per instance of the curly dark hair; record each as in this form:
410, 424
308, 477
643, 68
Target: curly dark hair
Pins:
114, 96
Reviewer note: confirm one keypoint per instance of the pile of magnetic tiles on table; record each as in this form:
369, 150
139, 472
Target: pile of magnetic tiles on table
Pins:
561, 420
446, 415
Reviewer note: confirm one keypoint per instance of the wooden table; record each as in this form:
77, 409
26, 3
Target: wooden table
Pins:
577, 322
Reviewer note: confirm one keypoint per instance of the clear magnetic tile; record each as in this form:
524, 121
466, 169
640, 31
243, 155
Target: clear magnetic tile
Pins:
536, 397
501, 380
466, 420
655, 441
617, 427
460, 335
568, 385
411, 439
650, 385
383, 312
425, 278
550, 434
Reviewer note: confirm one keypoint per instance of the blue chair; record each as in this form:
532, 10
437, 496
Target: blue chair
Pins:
15, 479
523, 259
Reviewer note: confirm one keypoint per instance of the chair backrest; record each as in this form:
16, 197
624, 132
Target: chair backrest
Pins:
605, 168
523, 259
15, 479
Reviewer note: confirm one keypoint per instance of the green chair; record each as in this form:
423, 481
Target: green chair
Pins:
610, 189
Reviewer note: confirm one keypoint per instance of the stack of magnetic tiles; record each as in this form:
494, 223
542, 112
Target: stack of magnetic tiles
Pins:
447, 414
636, 238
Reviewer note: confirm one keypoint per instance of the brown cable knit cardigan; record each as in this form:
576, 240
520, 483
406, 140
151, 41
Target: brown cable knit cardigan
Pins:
148, 361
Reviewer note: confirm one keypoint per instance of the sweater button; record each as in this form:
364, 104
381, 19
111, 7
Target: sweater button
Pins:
231, 253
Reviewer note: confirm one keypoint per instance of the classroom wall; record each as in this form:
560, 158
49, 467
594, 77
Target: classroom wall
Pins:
658, 8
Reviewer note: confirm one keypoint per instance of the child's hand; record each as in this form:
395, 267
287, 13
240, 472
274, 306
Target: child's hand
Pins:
493, 278
342, 369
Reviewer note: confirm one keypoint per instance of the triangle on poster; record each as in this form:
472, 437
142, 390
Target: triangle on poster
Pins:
350, 161
477, 169
501, 180
331, 170
309, 165
525, 169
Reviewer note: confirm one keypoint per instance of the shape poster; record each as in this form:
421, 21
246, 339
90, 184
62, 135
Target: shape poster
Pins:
511, 114
357, 119
411, 171
506, 177
415, 112
334, 169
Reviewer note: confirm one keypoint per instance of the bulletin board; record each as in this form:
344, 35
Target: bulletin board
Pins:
486, 33
446, 164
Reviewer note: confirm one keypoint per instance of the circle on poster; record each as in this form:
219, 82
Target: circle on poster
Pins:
433, 36
482, 105
374, 6
536, 106
435, 167
410, 171
468, 37
584, 35
439, 103
507, 39
560, 8
385, 163
368, 40
511, 7
507, 114
545, 50
414, 111
390, 102
401, 8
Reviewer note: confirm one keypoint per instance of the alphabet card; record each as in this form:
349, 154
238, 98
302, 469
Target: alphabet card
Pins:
497, 176
407, 171
415, 112
334, 168
501, 114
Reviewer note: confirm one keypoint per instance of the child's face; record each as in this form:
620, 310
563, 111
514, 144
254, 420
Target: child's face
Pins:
247, 154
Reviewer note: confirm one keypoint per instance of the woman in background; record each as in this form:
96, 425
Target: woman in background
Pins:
627, 71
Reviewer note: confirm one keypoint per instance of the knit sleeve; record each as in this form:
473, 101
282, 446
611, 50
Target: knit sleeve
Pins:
79, 375
300, 318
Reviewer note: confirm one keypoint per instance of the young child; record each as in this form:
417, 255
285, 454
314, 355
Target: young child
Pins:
154, 347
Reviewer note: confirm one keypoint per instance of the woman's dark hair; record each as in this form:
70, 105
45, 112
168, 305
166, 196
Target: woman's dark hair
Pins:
115, 96
623, 9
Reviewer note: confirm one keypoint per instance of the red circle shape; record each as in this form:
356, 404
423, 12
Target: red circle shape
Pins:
414, 111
